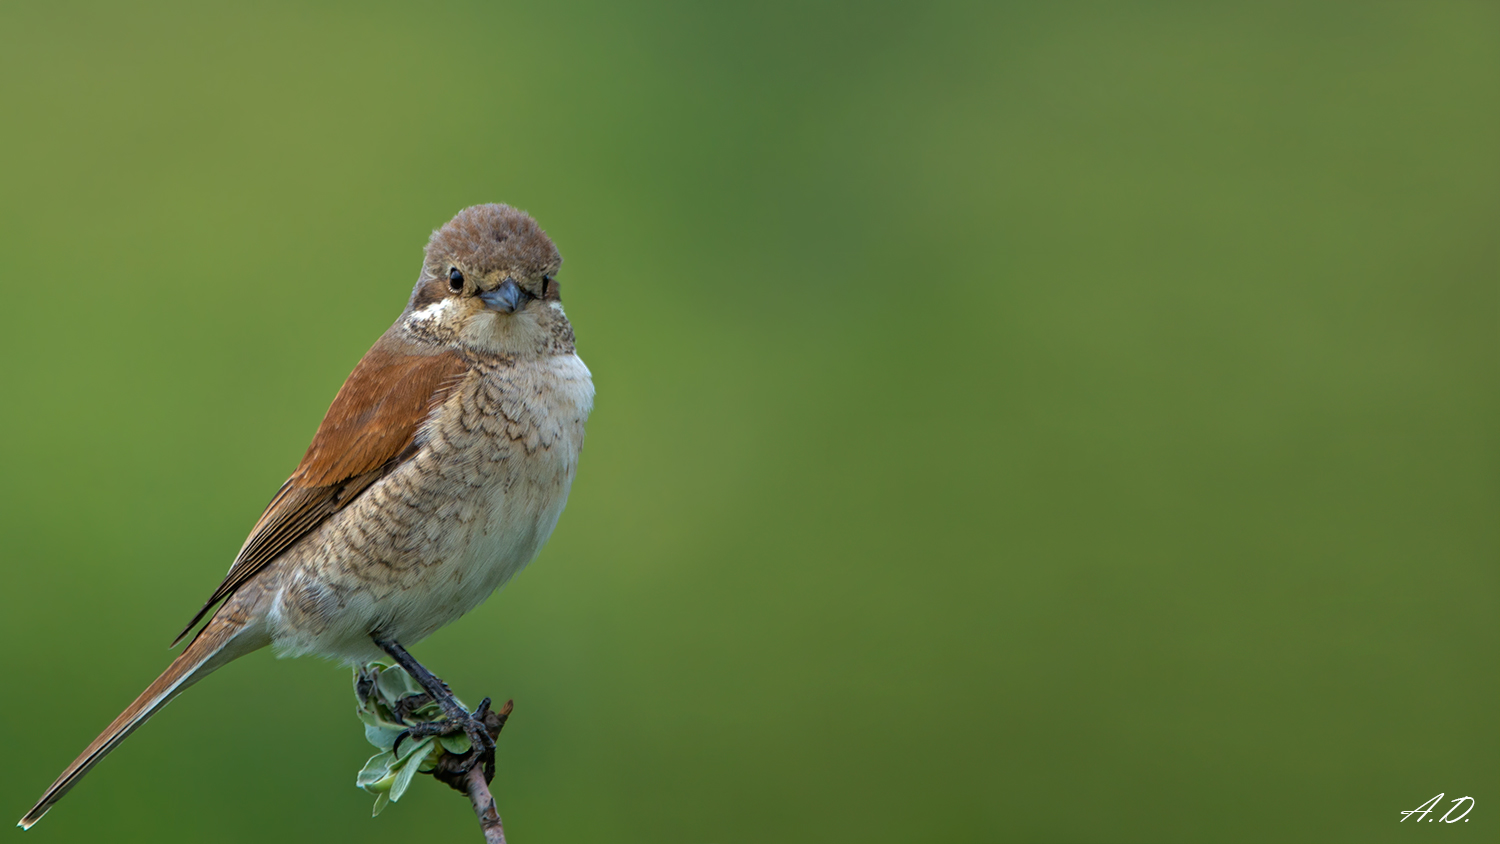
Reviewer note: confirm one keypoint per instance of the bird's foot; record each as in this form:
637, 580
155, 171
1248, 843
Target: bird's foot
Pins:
453, 769
472, 724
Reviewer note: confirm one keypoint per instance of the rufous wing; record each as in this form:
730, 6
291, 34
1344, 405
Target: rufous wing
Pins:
369, 430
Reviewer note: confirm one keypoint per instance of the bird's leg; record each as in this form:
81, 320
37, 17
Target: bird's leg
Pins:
459, 720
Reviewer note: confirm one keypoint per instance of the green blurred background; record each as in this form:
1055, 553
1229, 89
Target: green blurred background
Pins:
1035, 423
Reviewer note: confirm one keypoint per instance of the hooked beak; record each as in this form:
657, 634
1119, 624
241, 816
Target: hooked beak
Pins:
505, 298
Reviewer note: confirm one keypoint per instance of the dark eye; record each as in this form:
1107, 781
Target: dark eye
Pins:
546, 279
455, 280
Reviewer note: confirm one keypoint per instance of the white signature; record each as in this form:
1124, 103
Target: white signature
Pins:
1427, 808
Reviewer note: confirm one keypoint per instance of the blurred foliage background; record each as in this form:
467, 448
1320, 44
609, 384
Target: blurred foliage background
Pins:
1015, 422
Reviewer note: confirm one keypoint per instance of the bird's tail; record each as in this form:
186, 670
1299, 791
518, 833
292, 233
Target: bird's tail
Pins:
221, 640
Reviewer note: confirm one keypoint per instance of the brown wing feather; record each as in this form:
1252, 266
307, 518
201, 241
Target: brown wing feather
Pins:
370, 429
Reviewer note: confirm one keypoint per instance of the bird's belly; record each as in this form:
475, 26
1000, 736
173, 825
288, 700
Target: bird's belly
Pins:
477, 557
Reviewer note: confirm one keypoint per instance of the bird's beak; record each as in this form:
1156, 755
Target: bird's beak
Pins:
505, 298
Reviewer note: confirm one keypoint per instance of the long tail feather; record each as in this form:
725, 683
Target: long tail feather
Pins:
222, 640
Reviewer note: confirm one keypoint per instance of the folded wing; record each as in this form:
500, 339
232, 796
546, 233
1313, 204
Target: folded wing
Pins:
371, 428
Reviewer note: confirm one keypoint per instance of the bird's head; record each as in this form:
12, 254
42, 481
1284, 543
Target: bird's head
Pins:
489, 283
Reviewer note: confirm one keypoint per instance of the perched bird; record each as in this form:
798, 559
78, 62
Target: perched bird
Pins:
438, 472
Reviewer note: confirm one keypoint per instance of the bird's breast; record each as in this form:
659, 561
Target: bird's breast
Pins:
500, 458
438, 535
512, 444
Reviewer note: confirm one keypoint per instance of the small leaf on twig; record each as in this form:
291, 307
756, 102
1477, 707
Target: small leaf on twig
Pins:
375, 770
403, 779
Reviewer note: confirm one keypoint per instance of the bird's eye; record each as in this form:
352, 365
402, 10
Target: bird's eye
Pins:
546, 279
455, 279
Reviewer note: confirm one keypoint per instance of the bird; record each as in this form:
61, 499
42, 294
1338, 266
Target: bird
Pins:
439, 471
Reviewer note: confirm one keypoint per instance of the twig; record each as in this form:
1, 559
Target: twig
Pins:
484, 807
475, 781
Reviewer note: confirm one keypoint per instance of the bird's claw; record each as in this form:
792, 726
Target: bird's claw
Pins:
481, 743
471, 724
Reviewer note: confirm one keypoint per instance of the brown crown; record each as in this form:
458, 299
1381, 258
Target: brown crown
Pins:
486, 238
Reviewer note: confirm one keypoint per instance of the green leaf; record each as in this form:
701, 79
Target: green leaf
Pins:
381, 799
458, 744
394, 684
382, 737
375, 716
410, 747
372, 777
404, 778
